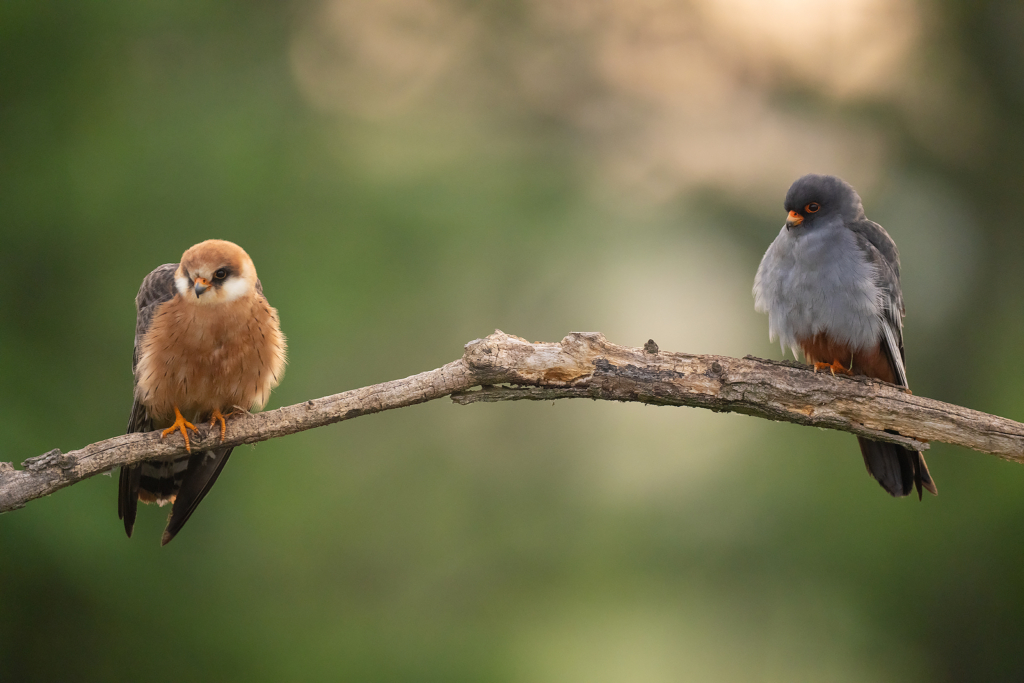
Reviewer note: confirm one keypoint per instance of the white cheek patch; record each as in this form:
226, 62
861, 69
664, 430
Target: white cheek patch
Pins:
234, 288
182, 285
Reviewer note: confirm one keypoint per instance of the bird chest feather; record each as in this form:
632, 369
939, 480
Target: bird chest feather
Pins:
205, 357
819, 281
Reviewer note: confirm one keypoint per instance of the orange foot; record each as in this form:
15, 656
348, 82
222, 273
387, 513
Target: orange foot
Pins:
835, 366
220, 417
180, 423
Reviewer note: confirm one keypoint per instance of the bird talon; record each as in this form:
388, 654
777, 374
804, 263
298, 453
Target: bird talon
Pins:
218, 416
180, 423
833, 367
841, 368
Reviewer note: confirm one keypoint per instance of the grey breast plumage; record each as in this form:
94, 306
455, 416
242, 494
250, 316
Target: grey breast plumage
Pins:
817, 281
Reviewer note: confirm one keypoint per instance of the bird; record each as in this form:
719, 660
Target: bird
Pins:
208, 345
830, 284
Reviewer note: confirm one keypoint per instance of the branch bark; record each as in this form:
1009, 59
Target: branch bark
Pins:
583, 365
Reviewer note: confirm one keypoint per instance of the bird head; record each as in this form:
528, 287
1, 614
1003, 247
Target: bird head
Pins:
816, 199
215, 272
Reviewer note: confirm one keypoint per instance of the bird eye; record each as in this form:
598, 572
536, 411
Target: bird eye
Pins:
220, 274
813, 207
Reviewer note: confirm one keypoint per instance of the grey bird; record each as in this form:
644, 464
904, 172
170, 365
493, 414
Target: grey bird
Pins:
830, 284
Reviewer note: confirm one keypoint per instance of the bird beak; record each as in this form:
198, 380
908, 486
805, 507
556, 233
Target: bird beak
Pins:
794, 219
202, 284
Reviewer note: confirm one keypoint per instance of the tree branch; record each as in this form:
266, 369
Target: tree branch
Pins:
583, 365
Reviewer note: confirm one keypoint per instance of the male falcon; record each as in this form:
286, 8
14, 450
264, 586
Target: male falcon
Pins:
830, 284
207, 343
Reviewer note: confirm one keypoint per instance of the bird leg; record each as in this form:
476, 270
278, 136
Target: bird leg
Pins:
218, 416
180, 423
834, 367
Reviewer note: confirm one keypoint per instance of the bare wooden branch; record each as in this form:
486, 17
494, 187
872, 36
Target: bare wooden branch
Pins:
583, 365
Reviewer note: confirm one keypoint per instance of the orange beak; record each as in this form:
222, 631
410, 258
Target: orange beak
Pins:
794, 219
201, 285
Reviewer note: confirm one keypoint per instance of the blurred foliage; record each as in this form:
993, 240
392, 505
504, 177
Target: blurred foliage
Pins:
394, 217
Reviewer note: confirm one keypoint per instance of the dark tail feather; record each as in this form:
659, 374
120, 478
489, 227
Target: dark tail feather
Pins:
128, 496
203, 469
897, 469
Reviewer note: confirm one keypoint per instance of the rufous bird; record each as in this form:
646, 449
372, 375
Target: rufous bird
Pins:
208, 345
830, 284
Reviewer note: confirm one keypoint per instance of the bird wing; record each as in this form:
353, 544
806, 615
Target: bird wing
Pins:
881, 251
898, 469
203, 469
157, 288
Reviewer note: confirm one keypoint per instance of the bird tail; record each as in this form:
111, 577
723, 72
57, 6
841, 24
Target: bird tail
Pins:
184, 481
896, 468
152, 481
159, 481
203, 469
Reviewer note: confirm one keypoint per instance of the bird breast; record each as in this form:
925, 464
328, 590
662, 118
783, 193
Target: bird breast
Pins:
819, 281
199, 358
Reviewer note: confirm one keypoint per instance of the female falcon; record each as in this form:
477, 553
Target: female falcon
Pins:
207, 343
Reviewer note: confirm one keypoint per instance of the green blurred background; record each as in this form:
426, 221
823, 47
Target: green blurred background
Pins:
409, 175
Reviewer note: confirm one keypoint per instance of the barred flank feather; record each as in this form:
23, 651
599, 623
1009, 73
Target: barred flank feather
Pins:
159, 481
